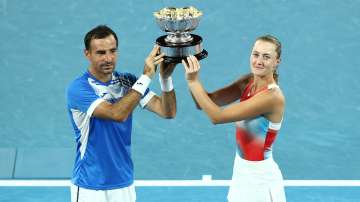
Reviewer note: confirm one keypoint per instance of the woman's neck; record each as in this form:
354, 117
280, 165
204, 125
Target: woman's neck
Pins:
262, 81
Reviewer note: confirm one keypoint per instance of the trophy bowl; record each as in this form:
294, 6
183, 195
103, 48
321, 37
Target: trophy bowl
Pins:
178, 19
178, 23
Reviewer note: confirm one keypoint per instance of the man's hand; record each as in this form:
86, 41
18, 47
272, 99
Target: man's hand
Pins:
152, 60
166, 69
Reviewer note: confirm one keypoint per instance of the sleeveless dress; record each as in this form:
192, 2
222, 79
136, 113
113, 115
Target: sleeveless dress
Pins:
256, 176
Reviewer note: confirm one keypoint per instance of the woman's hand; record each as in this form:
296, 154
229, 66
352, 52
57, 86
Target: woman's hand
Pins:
192, 68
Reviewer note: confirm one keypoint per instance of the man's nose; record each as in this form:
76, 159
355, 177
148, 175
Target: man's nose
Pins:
108, 57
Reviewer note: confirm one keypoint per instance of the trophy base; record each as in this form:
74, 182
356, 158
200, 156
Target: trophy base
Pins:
199, 56
175, 52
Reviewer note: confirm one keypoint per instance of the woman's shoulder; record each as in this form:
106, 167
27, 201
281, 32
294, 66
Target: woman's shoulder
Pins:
276, 94
272, 95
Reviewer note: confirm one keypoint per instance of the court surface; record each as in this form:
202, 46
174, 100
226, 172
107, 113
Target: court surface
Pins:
42, 51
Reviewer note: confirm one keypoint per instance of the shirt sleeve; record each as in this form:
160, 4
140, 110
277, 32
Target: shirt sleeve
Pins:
82, 97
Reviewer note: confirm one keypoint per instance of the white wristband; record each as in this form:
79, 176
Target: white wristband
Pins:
142, 84
166, 84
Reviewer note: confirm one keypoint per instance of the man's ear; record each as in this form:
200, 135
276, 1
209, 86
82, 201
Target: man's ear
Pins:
86, 53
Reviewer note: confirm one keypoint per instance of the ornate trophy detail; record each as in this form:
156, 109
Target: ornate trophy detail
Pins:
179, 43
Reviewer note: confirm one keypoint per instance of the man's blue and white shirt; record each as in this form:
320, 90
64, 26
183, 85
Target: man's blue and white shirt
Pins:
103, 154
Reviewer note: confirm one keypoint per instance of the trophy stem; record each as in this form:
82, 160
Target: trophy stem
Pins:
178, 37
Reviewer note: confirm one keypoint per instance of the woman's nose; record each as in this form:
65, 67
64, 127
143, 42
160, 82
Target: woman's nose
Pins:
259, 60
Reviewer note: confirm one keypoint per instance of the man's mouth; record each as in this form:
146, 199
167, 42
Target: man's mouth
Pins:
109, 65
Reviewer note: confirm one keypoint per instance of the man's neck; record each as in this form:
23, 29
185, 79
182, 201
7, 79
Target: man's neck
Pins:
99, 76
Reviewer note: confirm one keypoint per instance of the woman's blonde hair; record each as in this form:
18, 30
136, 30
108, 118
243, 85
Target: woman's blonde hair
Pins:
276, 42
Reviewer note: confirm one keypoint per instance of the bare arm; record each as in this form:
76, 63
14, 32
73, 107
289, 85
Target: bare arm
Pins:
263, 103
165, 105
120, 110
230, 93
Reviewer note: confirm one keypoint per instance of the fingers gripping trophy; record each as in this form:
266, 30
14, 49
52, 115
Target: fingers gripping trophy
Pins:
179, 42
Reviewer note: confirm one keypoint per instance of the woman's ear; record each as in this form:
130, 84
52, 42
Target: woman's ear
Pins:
278, 62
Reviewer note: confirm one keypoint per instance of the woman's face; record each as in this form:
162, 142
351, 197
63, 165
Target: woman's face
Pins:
263, 59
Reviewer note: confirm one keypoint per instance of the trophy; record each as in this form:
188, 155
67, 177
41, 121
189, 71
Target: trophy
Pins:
179, 43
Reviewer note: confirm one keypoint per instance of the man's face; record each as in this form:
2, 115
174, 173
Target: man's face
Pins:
102, 55
263, 59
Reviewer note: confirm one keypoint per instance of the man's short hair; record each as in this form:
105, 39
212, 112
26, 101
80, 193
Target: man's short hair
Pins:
99, 32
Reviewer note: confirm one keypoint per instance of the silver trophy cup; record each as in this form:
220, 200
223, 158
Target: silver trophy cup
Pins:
179, 42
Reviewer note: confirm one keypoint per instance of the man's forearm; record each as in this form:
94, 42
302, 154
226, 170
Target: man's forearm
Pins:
124, 107
168, 104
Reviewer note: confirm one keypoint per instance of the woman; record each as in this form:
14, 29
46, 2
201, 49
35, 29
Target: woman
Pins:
258, 116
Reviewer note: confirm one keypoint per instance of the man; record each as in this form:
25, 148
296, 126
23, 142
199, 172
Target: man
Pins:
100, 104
